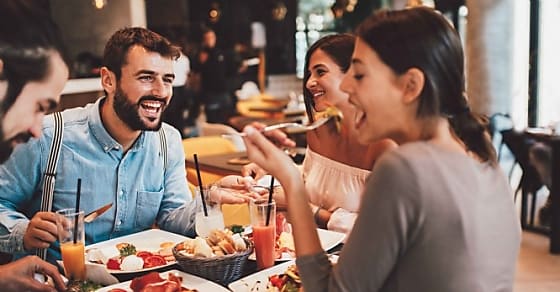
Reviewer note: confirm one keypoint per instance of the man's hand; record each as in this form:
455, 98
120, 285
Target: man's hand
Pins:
232, 196
18, 275
234, 189
41, 231
237, 182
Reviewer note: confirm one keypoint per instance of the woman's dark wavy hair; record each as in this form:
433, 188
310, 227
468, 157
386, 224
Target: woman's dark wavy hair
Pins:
28, 37
422, 38
339, 48
116, 49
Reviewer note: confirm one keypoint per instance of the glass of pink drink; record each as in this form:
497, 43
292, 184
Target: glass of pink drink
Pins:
264, 235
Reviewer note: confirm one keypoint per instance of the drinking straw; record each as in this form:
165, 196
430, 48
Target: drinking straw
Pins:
78, 193
269, 200
200, 185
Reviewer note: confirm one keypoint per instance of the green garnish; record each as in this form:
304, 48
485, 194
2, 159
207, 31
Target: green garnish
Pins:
127, 250
82, 286
237, 229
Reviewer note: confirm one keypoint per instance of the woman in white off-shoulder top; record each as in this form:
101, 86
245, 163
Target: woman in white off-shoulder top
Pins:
335, 165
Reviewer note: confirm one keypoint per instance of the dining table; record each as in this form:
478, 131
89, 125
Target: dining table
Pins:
552, 139
220, 164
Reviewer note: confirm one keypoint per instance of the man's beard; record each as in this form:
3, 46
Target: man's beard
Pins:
6, 146
129, 112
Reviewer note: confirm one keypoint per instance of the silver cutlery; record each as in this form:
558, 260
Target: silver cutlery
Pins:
290, 127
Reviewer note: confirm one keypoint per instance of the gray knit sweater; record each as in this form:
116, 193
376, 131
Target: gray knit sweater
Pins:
431, 220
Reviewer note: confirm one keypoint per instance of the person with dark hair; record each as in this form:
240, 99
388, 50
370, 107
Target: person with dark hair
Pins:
31, 51
118, 146
210, 66
336, 166
437, 213
32, 75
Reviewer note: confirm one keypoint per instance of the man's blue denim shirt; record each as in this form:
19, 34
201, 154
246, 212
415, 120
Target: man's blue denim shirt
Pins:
141, 190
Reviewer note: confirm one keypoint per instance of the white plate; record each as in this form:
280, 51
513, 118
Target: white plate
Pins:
189, 281
258, 280
329, 239
148, 240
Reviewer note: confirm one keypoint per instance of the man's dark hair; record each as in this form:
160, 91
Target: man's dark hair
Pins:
121, 41
28, 37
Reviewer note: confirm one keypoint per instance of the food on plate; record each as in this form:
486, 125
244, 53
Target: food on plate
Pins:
131, 259
82, 286
153, 282
238, 242
95, 255
166, 244
218, 243
132, 263
126, 249
286, 240
289, 281
236, 229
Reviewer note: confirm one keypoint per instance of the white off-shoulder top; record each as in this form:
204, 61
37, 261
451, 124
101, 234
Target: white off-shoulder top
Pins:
334, 186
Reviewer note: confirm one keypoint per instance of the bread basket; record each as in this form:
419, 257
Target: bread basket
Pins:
220, 269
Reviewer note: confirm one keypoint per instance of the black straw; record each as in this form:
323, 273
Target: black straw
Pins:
200, 185
78, 194
270, 191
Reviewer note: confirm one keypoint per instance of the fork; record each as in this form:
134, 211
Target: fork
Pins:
299, 127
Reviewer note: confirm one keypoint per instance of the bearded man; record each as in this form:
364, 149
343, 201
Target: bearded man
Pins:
115, 146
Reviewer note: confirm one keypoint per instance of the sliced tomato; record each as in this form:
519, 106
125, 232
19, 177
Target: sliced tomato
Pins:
144, 254
276, 281
280, 223
154, 261
117, 290
113, 264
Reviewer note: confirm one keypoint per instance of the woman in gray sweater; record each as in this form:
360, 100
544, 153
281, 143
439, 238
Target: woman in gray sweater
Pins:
437, 213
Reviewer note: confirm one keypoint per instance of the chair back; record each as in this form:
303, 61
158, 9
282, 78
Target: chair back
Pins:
519, 145
204, 146
211, 145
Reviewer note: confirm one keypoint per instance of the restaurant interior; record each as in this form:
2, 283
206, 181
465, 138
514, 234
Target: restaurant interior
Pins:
511, 51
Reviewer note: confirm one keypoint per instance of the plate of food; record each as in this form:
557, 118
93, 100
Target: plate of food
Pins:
285, 249
140, 252
282, 276
172, 280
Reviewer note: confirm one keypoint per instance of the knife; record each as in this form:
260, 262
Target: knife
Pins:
91, 216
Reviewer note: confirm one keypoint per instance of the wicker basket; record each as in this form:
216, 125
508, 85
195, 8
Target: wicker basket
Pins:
220, 269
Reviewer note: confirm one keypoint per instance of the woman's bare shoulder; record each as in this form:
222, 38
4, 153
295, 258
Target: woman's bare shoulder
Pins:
376, 149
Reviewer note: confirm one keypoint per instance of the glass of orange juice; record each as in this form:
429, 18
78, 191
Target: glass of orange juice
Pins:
70, 225
264, 235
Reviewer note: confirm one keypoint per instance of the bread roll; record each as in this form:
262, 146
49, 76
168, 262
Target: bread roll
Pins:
201, 248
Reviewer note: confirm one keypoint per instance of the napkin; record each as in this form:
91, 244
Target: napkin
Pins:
97, 273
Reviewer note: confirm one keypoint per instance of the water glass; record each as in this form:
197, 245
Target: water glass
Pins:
213, 219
